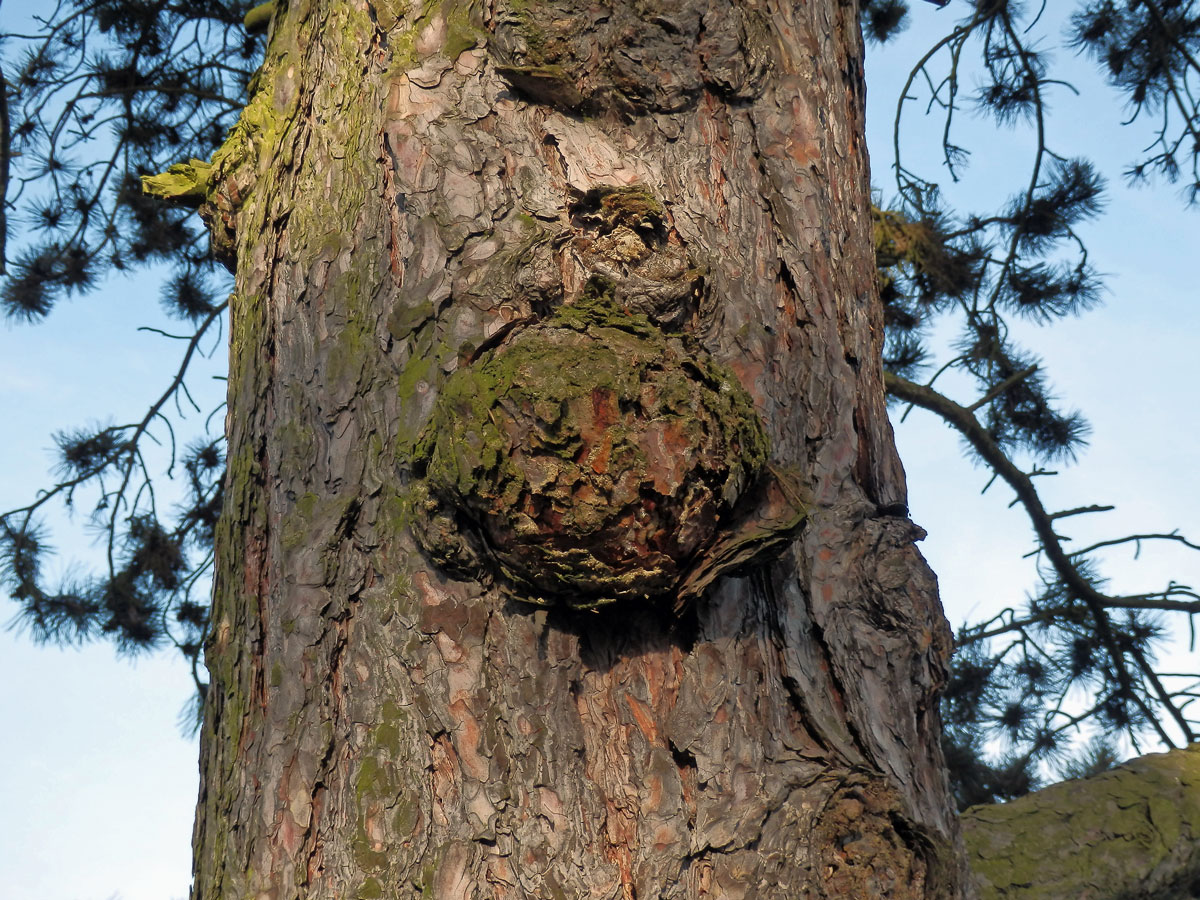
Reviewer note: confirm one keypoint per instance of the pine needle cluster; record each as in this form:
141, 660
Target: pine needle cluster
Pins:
99, 93
1029, 686
102, 93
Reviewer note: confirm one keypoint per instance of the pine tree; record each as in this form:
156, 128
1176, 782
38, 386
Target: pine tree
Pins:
116, 91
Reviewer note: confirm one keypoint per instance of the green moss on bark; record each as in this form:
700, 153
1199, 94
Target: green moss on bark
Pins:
1128, 832
185, 183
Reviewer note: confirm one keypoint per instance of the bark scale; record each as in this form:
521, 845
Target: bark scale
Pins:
412, 187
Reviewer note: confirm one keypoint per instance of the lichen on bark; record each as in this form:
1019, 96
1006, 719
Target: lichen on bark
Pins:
596, 454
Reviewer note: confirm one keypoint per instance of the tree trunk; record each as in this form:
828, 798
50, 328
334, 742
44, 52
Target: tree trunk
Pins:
1131, 833
552, 228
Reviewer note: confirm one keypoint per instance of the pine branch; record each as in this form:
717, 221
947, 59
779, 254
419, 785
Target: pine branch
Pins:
963, 420
5, 144
1138, 538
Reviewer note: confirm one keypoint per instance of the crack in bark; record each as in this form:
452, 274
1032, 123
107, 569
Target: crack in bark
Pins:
391, 203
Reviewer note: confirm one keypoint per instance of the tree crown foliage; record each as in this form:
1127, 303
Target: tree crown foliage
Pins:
105, 91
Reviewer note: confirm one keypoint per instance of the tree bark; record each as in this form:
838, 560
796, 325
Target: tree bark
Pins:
1130, 833
419, 190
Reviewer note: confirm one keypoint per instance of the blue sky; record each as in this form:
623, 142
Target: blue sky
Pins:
98, 784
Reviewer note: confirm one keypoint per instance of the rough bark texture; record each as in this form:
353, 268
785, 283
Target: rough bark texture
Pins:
1132, 833
414, 188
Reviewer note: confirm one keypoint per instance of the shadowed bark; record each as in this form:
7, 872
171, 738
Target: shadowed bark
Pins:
420, 196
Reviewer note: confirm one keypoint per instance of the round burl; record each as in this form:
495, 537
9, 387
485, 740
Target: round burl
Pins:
596, 454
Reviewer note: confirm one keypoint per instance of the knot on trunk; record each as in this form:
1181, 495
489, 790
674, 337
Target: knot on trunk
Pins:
619, 57
625, 244
594, 457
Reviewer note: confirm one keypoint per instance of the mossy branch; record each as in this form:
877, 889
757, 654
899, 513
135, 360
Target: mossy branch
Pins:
1128, 832
259, 17
184, 183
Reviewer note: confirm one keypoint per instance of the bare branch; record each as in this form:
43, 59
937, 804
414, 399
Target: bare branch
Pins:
1081, 510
